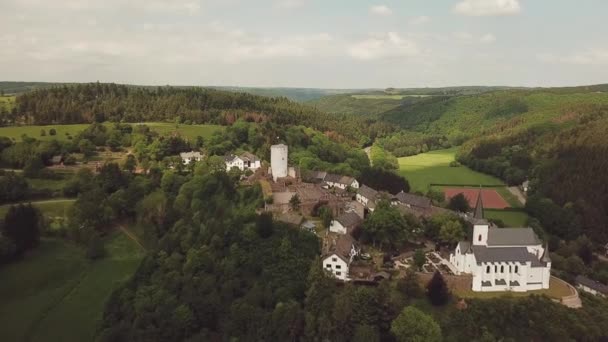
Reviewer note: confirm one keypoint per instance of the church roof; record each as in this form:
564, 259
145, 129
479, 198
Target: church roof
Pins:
545, 258
505, 254
478, 208
465, 247
512, 237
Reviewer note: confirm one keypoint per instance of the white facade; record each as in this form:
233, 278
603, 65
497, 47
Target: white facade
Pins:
242, 165
337, 266
362, 199
278, 161
337, 227
503, 259
188, 157
339, 184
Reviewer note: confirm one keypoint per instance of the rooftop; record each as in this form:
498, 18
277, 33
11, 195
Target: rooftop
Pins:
349, 219
367, 192
592, 284
505, 254
415, 200
512, 237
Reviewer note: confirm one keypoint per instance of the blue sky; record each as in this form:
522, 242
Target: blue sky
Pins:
306, 43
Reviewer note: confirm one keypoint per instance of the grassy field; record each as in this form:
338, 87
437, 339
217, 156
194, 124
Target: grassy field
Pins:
49, 208
163, 128
384, 97
55, 294
433, 167
509, 218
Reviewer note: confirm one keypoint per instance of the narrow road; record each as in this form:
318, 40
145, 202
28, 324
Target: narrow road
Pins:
520, 196
131, 236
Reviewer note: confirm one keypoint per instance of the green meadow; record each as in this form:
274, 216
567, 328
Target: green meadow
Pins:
49, 208
424, 169
433, 167
7, 102
56, 294
63, 131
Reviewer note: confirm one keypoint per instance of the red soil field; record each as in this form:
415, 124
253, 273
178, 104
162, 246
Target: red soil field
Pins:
491, 199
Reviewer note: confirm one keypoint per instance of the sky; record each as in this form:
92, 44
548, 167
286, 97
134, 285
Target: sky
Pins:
306, 43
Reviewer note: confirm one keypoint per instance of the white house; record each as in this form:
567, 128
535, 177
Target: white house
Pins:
366, 195
188, 157
246, 161
345, 223
339, 257
339, 181
502, 259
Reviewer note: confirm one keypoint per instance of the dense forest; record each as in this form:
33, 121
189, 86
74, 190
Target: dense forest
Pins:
86, 103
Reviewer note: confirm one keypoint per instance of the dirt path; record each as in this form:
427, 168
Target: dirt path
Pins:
131, 236
517, 193
368, 151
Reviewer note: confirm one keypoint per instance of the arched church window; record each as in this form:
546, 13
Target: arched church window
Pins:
502, 269
516, 269
488, 269
479, 238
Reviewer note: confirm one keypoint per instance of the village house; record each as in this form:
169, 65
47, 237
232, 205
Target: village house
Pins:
188, 157
411, 201
591, 286
339, 256
245, 161
502, 259
366, 195
339, 181
345, 223
57, 160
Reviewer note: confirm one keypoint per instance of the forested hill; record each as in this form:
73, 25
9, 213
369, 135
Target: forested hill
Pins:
85, 103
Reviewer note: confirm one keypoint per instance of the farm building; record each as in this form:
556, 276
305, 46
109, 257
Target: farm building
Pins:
339, 256
591, 286
188, 157
339, 181
245, 161
345, 223
365, 195
411, 200
502, 259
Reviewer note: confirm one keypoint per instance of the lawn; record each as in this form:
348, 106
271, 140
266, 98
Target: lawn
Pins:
49, 208
384, 97
509, 218
163, 128
55, 294
424, 169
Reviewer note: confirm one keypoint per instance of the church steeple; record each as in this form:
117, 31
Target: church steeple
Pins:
545, 258
478, 207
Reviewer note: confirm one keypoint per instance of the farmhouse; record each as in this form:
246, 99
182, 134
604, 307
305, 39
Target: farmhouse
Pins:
339, 256
188, 157
246, 161
502, 259
591, 286
411, 201
342, 182
366, 195
345, 223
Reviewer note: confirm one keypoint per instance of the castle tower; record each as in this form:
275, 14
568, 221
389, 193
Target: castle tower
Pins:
278, 161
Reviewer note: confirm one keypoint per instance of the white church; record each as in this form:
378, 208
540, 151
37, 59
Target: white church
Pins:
502, 259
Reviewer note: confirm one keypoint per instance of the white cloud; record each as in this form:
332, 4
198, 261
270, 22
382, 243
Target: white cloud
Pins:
487, 7
593, 57
380, 10
420, 20
389, 45
487, 38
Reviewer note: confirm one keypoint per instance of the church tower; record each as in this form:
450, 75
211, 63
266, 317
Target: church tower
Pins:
480, 225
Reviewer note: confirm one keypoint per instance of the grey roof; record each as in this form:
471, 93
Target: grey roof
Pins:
342, 247
479, 208
465, 247
333, 178
501, 282
505, 254
514, 283
592, 284
191, 154
349, 219
512, 237
247, 156
367, 192
415, 200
